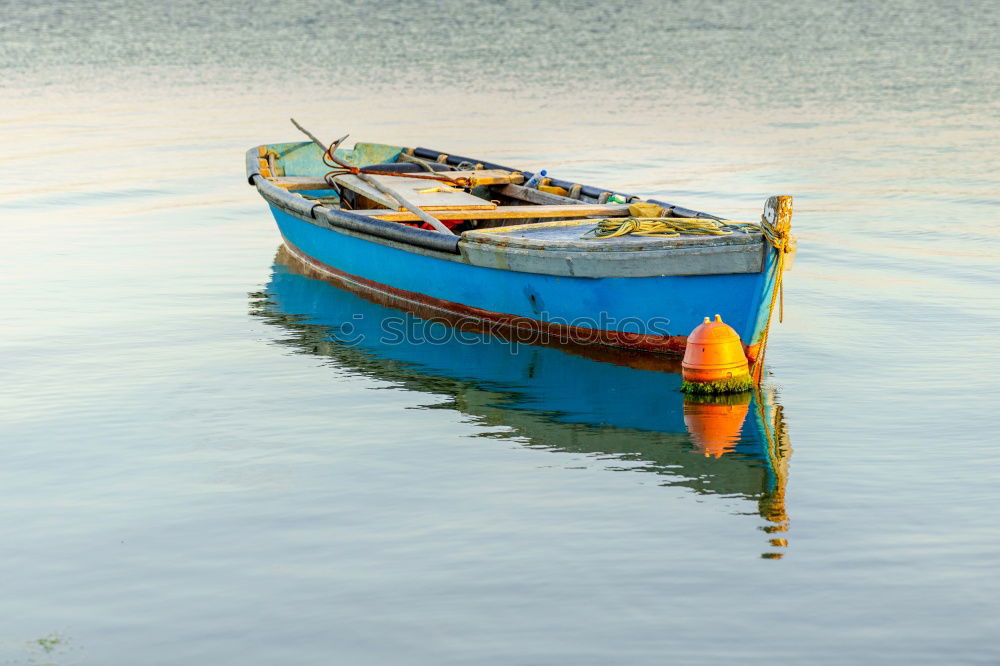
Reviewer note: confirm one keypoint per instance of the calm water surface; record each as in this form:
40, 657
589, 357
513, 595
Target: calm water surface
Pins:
202, 465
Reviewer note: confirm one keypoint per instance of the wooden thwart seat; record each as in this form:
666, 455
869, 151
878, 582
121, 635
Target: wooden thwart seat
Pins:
426, 194
502, 212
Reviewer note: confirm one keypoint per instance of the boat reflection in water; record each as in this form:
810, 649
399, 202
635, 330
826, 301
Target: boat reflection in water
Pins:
589, 400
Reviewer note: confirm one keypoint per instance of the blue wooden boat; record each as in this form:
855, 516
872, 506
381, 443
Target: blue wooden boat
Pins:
479, 242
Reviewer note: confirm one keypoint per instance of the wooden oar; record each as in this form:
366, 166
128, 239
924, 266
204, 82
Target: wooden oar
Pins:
416, 210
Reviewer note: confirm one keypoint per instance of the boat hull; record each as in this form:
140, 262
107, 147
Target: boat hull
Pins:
652, 314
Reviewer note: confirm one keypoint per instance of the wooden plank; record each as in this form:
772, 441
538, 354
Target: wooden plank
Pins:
535, 196
293, 183
473, 177
478, 177
441, 198
503, 212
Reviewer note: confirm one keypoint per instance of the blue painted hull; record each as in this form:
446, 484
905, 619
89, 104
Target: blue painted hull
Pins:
653, 306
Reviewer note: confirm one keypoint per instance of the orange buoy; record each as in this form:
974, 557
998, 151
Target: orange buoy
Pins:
715, 421
714, 361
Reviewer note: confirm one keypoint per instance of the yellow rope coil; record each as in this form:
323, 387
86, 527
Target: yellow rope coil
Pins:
664, 227
646, 219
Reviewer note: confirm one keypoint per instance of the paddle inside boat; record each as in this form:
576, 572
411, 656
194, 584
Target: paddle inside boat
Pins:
536, 259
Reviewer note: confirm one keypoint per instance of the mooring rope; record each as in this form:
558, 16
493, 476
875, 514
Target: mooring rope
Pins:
781, 241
